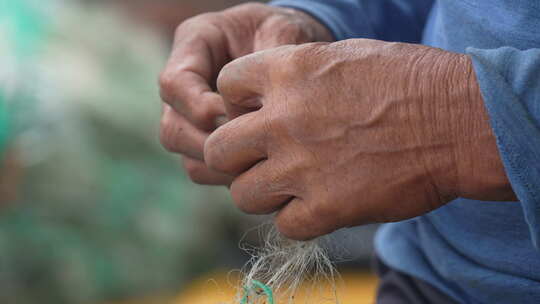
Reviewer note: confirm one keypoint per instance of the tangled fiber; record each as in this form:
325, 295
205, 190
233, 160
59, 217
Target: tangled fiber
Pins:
280, 266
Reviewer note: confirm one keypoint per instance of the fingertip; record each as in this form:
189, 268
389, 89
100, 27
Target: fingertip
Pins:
241, 83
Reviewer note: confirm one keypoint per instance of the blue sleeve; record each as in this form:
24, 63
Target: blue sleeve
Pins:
390, 20
510, 83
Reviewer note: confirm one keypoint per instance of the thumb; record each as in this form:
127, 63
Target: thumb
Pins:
281, 30
291, 27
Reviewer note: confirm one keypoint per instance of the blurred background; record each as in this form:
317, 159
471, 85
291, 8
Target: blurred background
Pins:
92, 209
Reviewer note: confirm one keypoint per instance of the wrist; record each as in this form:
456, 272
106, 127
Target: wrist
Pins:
467, 163
481, 172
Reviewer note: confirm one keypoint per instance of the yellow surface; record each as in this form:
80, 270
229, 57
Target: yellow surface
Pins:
354, 288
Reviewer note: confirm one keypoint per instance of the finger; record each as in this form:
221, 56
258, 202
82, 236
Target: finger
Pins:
302, 220
279, 31
199, 173
262, 189
241, 84
178, 135
186, 83
189, 95
238, 145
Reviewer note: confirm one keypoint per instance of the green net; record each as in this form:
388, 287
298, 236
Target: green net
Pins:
4, 125
104, 212
255, 291
22, 28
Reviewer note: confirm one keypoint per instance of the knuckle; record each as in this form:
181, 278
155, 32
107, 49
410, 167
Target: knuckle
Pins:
167, 135
287, 64
301, 58
167, 85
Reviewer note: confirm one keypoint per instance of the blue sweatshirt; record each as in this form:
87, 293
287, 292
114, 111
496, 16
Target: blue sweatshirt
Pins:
476, 252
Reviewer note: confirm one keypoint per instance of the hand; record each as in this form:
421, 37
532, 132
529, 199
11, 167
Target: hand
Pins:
353, 132
203, 45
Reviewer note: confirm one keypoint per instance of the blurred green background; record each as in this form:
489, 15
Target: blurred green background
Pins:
92, 209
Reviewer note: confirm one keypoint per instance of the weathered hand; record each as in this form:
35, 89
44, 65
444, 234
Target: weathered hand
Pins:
203, 45
353, 132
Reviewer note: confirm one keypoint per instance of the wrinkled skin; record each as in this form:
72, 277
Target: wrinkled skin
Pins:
203, 45
332, 135
354, 132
